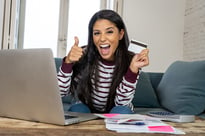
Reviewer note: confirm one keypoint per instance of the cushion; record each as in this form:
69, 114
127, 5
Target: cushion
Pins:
58, 62
67, 99
145, 95
155, 78
182, 88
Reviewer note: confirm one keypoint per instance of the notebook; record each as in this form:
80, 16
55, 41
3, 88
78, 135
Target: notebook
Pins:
29, 88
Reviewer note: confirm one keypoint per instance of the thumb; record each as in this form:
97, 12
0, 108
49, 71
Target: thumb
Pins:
76, 41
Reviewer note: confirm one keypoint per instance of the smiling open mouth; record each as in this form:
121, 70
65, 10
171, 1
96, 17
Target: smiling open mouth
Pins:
105, 46
105, 49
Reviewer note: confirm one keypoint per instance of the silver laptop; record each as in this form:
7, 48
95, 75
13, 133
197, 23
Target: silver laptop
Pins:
29, 88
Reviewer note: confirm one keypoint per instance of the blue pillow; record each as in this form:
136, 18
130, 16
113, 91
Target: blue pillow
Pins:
58, 62
145, 95
182, 88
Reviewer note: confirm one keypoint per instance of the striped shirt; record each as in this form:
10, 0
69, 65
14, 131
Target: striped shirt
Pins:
124, 92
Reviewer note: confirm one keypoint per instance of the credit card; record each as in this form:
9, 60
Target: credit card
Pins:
136, 46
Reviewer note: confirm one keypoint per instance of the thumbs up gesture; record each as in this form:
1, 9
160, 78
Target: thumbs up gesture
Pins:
75, 53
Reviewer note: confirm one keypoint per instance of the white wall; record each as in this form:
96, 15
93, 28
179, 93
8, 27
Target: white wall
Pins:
194, 30
160, 23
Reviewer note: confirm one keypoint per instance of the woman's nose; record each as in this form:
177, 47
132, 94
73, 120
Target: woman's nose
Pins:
102, 37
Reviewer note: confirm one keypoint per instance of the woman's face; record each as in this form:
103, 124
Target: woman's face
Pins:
106, 38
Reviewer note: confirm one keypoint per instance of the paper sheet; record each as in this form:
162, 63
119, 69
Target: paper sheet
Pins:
129, 123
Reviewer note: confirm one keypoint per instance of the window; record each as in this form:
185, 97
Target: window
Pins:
49, 23
9, 23
78, 19
41, 24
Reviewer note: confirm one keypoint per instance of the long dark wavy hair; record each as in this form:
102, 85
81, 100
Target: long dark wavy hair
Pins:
81, 86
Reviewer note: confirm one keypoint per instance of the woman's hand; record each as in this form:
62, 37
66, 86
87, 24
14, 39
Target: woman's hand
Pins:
75, 53
139, 60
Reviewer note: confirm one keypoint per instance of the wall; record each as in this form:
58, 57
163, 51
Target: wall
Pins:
160, 23
194, 35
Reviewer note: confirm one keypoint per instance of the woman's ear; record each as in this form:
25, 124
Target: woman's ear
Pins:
121, 34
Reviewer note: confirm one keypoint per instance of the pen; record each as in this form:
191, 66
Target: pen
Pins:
138, 123
134, 123
131, 122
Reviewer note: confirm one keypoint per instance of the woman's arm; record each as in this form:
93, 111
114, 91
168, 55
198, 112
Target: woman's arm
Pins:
65, 72
64, 78
126, 89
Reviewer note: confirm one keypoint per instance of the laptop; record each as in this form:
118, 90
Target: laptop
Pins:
29, 88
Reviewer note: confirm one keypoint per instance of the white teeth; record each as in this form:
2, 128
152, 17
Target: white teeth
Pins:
104, 45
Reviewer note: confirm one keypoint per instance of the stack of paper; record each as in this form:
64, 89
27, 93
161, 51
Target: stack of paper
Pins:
136, 123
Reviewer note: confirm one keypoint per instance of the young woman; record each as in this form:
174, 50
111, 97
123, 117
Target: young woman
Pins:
102, 77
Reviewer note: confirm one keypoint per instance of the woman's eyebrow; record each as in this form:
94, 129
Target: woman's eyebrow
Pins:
105, 29
109, 28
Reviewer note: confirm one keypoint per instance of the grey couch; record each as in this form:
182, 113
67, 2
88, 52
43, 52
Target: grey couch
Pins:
181, 89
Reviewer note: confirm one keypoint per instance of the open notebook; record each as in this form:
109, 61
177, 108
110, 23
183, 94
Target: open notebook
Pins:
29, 88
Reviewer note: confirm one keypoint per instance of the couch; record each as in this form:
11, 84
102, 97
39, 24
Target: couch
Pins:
180, 89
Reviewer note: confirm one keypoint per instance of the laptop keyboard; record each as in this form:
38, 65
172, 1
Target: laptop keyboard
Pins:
69, 117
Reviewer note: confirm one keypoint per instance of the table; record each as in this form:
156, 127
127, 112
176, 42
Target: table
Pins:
13, 127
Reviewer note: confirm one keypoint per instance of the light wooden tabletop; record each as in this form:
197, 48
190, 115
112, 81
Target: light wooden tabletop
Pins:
16, 127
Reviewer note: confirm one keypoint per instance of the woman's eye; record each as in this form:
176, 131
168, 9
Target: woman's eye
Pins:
96, 33
110, 32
